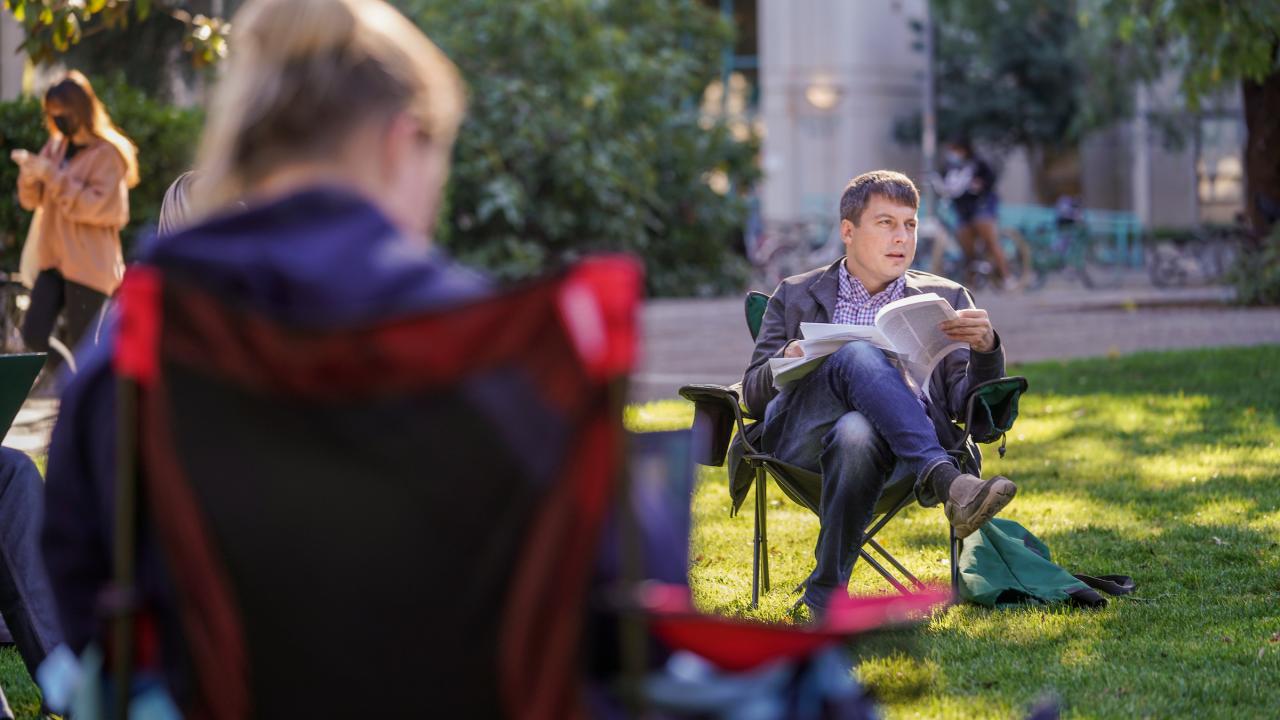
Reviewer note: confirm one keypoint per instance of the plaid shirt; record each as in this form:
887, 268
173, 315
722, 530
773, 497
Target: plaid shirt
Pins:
856, 306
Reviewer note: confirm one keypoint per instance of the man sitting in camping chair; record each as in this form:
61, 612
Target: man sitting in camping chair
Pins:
855, 419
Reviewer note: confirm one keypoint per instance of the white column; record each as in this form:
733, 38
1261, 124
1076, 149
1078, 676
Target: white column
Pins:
1141, 157
12, 63
834, 76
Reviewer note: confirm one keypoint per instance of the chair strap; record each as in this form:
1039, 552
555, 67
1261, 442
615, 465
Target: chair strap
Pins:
1109, 584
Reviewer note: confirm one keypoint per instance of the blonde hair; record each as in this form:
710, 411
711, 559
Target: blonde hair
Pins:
303, 75
74, 94
175, 209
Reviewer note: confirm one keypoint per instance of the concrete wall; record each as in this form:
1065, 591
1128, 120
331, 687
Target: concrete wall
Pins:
1158, 181
859, 57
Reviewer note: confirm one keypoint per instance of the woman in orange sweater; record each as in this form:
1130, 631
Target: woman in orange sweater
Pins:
78, 186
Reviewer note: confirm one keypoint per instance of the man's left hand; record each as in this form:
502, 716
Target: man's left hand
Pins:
973, 327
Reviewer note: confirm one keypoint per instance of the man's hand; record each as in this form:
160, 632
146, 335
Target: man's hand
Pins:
973, 327
793, 350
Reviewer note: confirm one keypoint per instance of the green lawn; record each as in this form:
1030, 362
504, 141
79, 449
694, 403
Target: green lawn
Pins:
1163, 466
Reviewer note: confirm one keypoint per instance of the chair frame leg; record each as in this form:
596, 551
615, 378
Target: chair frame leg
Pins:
954, 542
894, 562
757, 541
762, 498
887, 575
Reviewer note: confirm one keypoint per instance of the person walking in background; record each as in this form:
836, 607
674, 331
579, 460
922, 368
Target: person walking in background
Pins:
970, 183
78, 186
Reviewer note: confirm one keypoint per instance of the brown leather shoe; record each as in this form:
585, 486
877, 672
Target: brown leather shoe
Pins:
972, 501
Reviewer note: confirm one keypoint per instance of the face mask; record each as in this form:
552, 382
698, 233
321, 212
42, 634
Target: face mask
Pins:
954, 157
66, 125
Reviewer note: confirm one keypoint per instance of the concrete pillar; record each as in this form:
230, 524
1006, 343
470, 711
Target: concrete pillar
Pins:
1141, 157
834, 76
12, 62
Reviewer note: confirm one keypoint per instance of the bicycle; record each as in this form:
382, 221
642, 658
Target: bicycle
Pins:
938, 252
1098, 260
14, 299
1196, 257
777, 250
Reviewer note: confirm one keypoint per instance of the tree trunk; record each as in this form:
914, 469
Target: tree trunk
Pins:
1055, 171
1262, 154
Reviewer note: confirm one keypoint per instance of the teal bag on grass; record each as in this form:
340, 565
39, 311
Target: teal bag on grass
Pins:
1004, 564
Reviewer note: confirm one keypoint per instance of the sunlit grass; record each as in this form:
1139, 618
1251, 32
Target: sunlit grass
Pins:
1163, 466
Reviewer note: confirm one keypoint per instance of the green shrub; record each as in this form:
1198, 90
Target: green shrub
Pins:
21, 127
166, 137
584, 133
1257, 272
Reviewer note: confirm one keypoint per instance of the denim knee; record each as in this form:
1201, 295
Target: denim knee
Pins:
860, 354
852, 433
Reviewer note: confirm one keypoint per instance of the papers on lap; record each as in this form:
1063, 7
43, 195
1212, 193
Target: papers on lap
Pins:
906, 330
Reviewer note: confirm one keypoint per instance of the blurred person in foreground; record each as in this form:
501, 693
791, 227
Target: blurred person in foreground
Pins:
26, 600
333, 125
176, 209
78, 186
854, 419
970, 184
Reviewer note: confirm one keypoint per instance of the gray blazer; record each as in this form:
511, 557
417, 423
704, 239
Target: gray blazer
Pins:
811, 297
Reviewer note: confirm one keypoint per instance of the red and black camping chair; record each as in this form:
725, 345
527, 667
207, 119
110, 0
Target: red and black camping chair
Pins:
399, 517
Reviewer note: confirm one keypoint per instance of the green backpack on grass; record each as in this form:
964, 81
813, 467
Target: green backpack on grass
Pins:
1003, 564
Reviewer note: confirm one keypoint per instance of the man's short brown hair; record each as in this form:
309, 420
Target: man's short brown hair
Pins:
893, 186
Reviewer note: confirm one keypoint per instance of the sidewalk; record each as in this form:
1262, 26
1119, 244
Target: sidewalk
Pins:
688, 341
706, 340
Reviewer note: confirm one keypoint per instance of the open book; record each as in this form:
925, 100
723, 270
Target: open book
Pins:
907, 330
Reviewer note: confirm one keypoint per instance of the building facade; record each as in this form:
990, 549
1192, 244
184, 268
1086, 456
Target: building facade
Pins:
822, 83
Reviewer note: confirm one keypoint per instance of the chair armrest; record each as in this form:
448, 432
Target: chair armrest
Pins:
715, 412
992, 407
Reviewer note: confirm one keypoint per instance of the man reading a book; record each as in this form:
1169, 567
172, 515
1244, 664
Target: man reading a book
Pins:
855, 418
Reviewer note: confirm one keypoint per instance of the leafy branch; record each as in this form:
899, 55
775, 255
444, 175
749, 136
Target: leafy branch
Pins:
54, 26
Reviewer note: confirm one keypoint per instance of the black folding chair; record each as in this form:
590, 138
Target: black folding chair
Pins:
991, 409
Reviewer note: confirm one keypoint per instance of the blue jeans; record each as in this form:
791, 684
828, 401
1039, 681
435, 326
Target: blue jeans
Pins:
854, 420
26, 598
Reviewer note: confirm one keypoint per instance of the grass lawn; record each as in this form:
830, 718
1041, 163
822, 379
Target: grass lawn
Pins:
1163, 466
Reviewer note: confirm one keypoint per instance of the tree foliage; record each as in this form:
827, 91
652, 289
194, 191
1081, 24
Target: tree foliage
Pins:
584, 130
584, 133
1005, 73
1210, 44
54, 26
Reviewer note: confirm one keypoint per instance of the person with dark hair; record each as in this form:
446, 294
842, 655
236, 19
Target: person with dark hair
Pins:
970, 184
855, 419
78, 186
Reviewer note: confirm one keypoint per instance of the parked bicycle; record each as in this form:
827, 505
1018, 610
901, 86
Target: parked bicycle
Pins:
938, 252
780, 249
1195, 257
14, 299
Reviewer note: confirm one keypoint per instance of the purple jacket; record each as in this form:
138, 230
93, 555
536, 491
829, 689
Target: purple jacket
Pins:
320, 258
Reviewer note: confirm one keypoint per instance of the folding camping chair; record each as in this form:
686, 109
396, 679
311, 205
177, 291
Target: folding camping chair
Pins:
646, 555
401, 517
991, 409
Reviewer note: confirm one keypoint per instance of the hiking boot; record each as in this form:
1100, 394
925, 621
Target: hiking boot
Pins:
971, 501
